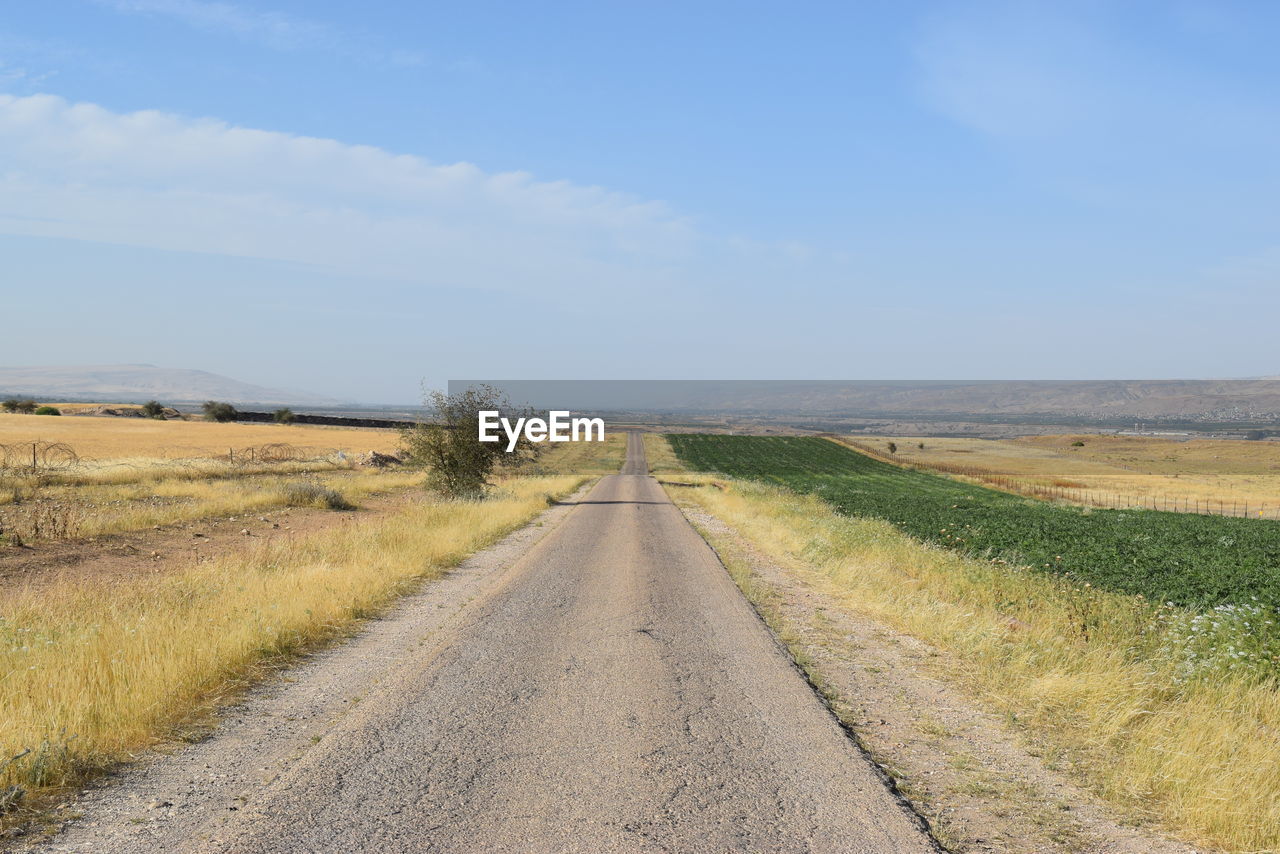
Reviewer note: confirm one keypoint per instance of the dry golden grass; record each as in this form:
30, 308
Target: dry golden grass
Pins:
106, 438
96, 509
131, 495
1199, 755
90, 679
604, 457
1153, 455
1211, 475
661, 459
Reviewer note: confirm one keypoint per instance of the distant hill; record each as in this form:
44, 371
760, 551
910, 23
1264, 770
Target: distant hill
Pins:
139, 383
1229, 400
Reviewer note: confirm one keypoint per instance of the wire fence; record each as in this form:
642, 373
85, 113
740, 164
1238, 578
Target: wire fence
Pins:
1084, 495
58, 458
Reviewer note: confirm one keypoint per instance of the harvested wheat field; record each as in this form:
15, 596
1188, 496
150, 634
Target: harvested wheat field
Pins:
1220, 476
145, 438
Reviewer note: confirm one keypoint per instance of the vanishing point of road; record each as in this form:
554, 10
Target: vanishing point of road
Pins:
615, 692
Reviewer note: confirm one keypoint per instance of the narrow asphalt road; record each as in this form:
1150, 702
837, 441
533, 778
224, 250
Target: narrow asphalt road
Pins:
617, 693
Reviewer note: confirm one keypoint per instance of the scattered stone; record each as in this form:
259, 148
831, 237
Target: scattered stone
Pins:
380, 461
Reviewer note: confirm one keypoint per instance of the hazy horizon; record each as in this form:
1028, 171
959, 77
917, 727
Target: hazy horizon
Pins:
350, 200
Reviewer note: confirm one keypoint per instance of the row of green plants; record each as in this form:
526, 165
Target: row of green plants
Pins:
1214, 564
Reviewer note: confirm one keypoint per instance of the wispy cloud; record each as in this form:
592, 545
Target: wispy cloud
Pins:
273, 29
164, 181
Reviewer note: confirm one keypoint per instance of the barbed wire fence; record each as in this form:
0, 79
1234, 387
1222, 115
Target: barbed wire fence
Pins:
38, 456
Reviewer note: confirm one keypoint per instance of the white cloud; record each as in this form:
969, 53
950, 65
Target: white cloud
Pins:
168, 182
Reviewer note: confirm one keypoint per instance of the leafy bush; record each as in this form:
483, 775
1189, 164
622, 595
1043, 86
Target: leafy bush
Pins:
14, 404
459, 464
284, 416
48, 410
217, 411
315, 495
153, 409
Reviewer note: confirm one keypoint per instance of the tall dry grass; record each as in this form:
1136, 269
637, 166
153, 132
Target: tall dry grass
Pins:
604, 457
658, 453
106, 438
90, 678
1169, 714
117, 508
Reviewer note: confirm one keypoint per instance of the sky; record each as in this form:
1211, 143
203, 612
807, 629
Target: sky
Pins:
357, 198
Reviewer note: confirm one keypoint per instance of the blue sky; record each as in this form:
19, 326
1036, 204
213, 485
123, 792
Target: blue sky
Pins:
351, 198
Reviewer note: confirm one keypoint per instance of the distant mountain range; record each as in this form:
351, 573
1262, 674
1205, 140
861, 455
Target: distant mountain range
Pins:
1229, 400
140, 383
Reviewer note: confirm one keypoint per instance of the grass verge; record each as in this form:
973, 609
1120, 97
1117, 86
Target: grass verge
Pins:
91, 678
55, 512
1194, 752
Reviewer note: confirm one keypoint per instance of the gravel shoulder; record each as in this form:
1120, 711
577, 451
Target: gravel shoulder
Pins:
980, 783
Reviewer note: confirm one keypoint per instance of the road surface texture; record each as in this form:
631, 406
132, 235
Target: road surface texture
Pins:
613, 691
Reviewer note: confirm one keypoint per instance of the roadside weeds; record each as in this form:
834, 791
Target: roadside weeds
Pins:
93, 679
970, 767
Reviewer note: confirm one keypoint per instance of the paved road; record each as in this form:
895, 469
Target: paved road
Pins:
616, 694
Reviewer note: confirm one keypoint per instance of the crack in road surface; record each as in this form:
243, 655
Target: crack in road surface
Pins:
614, 693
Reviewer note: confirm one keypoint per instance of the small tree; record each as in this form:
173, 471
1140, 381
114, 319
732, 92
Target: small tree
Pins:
920, 446
893, 447
26, 407
10, 405
48, 410
217, 411
449, 445
284, 416
153, 409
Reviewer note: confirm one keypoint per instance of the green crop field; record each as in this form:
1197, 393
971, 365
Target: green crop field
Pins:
1194, 561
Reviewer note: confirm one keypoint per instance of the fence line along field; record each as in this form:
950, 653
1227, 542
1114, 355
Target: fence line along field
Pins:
1214, 476
108, 438
68, 477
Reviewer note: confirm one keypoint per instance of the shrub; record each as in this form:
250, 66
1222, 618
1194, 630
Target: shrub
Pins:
284, 416
450, 447
26, 407
217, 411
1077, 444
153, 409
893, 447
48, 410
315, 495
10, 405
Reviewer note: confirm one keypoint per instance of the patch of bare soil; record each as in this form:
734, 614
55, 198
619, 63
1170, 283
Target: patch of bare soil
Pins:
982, 786
116, 557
